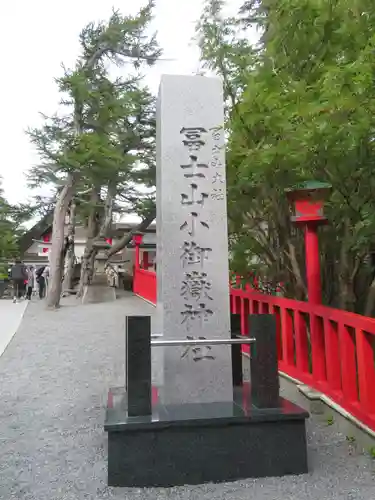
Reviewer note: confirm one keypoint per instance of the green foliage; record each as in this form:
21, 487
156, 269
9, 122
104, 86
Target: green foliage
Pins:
303, 109
105, 136
9, 232
120, 38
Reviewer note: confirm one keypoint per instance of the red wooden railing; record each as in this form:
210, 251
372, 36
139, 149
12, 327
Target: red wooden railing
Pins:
144, 284
328, 349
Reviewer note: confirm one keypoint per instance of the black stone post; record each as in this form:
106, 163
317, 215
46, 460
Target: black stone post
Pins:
264, 367
138, 365
235, 330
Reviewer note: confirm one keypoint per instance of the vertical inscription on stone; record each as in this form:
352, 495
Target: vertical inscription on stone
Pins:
193, 292
194, 282
218, 179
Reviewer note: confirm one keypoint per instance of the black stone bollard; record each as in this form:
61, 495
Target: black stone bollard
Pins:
265, 389
235, 330
138, 365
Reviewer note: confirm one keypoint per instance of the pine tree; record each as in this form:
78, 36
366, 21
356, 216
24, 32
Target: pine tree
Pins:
66, 144
128, 135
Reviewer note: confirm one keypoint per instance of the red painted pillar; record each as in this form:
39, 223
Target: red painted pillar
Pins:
136, 261
314, 291
137, 238
313, 277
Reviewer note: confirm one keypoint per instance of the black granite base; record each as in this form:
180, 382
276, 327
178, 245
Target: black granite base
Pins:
199, 443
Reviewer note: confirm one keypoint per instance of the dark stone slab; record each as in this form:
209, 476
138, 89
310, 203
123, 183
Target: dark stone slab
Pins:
209, 442
235, 329
264, 365
138, 365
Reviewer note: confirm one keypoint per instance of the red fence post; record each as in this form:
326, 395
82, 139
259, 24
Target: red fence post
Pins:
366, 369
348, 363
332, 354
276, 312
287, 337
318, 356
302, 345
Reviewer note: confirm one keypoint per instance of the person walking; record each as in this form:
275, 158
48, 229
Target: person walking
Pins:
18, 276
30, 282
41, 280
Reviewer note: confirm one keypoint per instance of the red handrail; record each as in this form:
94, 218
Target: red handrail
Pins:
328, 349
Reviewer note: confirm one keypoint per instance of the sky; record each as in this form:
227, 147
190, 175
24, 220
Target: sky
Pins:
38, 36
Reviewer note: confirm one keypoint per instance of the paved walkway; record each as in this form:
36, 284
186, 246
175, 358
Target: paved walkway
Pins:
54, 377
10, 319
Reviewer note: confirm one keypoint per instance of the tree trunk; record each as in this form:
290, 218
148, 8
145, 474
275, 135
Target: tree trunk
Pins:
300, 287
126, 239
347, 273
87, 269
57, 244
346, 284
70, 257
92, 231
370, 300
347, 296
106, 224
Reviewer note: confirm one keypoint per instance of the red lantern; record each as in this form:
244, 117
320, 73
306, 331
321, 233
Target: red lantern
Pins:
308, 200
46, 239
137, 238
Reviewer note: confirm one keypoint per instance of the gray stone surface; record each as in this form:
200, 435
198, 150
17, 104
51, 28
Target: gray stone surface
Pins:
157, 355
97, 292
192, 242
54, 377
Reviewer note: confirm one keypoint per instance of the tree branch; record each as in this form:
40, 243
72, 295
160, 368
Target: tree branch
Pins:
127, 238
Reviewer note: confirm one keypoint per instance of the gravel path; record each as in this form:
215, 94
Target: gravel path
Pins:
54, 377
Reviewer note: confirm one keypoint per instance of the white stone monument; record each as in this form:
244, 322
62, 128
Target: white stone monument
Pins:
192, 241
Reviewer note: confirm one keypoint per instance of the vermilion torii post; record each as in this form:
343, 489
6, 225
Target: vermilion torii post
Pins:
137, 239
313, 278
308, 199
